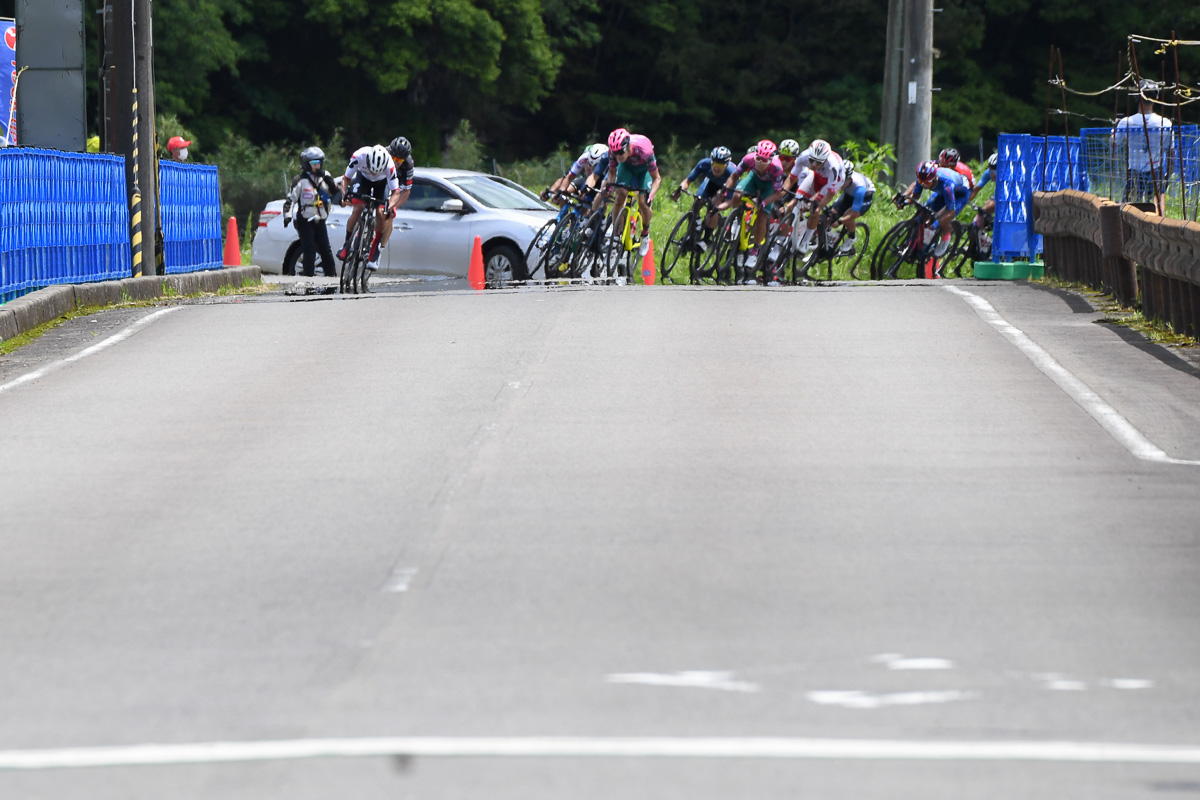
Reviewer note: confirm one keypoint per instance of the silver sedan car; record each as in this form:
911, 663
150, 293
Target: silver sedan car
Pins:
435, 229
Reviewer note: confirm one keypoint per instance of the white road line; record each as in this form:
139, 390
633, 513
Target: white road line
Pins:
116, 338
556, 747
1109, 418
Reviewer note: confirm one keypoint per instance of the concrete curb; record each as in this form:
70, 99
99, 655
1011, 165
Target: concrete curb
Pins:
37, 308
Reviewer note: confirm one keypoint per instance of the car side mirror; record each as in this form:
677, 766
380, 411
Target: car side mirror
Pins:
453, 206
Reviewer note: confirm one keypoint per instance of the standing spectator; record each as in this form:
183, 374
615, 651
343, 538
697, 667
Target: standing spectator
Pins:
1146, 138
313, 192
177, 148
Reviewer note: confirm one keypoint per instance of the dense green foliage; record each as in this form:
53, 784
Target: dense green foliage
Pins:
531, 74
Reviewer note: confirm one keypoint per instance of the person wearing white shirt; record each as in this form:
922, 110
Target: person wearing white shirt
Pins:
1144, 140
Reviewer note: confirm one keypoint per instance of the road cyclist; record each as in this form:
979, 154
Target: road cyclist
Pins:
712, 173
756, 183
949, 158
950, 193
577, 174
817, 177
370, 180
633, 167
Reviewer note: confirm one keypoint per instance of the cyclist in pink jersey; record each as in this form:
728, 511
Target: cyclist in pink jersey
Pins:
760, 177
633, 166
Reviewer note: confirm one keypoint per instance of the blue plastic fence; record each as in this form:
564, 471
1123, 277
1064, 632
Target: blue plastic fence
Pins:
63, 219
191, 216
1028, 164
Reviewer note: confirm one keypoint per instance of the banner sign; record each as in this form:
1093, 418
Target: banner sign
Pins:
8, 81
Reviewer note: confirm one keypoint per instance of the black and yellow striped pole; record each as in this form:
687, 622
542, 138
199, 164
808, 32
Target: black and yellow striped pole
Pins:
135, 200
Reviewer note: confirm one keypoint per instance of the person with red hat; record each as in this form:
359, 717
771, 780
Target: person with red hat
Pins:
177, 148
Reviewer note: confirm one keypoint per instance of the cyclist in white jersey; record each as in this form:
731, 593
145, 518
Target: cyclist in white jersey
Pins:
370, 179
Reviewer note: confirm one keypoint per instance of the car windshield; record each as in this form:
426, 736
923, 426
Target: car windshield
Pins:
496, 192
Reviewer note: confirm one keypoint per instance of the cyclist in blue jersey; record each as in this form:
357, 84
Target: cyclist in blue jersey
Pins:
950, 194
989, 174
711, 172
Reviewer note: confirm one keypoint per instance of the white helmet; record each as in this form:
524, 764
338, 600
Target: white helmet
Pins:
818, 152
378, 159
597, 152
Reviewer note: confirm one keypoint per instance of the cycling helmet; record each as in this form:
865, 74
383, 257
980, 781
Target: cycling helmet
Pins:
597, 152
309, 155
765, 150
818, 152
618, 140
789, 148
948, 157
992, 161
849, 167
927, 171
378, 159
400, 148
721, 155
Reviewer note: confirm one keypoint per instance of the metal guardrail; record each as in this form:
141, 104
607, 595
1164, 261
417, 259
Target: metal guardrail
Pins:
64, 219
1125, 251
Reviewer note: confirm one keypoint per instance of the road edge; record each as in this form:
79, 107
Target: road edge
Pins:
45, 305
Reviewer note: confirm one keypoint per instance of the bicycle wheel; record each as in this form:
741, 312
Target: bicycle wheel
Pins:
895, 251
535, 252
349, 282
679, 246
862, 242
725, 248
615, 254
588, 258
556, 257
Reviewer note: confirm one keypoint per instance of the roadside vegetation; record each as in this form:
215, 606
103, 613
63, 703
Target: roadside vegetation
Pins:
1117, 314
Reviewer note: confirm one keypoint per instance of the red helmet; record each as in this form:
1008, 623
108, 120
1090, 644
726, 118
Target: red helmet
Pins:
618, 140
765, 150
927, 172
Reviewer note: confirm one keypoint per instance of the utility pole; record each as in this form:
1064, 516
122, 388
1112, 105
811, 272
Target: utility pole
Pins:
916, 104
146, 130
893, 65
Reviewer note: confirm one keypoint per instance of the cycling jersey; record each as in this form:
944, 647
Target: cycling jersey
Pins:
358, 168
965, 171
819, 182
773, 171
858, 194
404, 173
949, 189
601, 168
583, 165
710, 182
989, 175
641, 153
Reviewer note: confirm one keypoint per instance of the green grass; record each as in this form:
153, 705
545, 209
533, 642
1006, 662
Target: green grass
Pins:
1117, 314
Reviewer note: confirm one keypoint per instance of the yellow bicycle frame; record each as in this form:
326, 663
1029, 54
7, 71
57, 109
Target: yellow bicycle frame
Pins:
748, 222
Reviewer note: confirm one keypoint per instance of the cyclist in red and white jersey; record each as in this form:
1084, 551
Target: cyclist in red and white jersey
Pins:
370, 178
949, 159
818, 177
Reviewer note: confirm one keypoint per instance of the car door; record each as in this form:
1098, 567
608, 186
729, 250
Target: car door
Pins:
428, 238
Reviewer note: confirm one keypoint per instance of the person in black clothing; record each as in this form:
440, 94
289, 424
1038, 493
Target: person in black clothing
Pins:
314, 191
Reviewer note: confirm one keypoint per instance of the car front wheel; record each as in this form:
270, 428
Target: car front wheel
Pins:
503, 263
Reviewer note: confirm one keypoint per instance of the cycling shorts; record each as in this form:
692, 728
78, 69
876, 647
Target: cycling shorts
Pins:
637, 178
859, 200
368, 192
961, 195
753, 185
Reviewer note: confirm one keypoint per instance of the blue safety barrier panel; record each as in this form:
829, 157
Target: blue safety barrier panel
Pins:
191, 216
1028, 164
63, 219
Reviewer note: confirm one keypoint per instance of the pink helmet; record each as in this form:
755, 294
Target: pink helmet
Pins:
927, 171
765, 150
618, 140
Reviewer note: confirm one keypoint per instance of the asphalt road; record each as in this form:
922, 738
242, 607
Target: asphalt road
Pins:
857, 514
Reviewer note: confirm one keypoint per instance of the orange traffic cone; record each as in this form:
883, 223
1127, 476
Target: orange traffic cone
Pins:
648, 270
475, 275
233, 245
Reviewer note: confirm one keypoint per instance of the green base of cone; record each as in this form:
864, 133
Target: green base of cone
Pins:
1013, 271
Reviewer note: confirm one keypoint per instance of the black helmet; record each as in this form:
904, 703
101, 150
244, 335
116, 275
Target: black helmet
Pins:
400, 148
311, 156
